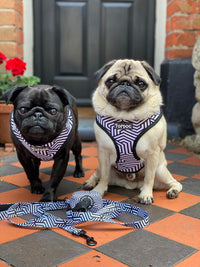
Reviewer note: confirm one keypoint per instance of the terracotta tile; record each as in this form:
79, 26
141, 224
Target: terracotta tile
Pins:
191, 161
16, 164
89, 144
180, 228
179, 177
2, 163
90, 151
193, 261
9, 232
180, 150
4, 153
169, 161
183, 201
3, 264
21, 179
44, 164
114, 197
197, 176
102, 232
91, 259
80, 180
88, 163
19, 195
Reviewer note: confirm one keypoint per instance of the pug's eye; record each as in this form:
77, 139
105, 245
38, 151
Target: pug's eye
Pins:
141, 84
53, 111
109, 83
23, 110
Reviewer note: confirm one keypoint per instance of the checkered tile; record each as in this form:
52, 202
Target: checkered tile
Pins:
171, 239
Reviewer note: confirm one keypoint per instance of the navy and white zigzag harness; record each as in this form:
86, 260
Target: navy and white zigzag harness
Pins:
125, 134
47, 151
100, 210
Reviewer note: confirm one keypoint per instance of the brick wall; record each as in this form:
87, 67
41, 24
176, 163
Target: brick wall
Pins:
11, 28
182, 28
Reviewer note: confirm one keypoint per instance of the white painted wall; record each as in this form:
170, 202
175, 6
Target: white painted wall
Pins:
160, 34
28, 36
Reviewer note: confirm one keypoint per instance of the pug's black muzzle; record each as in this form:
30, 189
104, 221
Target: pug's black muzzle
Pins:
124, 96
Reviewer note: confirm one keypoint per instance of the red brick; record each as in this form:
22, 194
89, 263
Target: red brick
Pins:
7, 33
181, 23
12, 4
183, 6
178, 53
180, 38
9, 49
187, 6
7, 4
196, 22
20, 36
172, 8
7, 17
168, 25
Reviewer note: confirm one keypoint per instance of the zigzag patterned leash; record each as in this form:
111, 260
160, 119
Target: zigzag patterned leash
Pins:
99, 210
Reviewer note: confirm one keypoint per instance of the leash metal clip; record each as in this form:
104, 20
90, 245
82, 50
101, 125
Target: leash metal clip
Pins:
89, 239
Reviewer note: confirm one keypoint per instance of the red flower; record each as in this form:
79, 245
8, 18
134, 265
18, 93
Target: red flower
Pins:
16, 65
2, 57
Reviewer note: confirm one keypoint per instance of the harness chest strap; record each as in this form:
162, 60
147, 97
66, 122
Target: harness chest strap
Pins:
125, 134
47, 151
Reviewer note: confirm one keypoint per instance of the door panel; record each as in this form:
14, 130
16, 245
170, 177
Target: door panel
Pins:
71, 42
115, 23
75, 38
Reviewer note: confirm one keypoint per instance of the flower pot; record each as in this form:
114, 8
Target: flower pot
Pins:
5, 111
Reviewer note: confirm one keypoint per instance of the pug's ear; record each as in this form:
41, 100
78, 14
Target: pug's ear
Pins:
151, 72
100, 73
11, 95
64, 95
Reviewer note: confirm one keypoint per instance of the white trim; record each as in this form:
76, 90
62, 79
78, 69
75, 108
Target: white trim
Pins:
28, 36
160, 34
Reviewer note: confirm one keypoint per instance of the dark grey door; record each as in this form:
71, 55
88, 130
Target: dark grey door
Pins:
75, 38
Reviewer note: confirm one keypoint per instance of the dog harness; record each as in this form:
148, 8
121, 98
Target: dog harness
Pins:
47, 151
83, 206
125, 134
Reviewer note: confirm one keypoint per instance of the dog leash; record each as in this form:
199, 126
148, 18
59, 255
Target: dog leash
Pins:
83, 206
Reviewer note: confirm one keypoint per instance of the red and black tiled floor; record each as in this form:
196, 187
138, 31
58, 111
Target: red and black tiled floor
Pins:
171, 239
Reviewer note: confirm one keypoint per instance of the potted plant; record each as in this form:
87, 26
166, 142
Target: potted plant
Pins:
11, 76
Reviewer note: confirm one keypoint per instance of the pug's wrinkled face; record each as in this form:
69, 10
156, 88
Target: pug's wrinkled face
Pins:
39, 114
127, 83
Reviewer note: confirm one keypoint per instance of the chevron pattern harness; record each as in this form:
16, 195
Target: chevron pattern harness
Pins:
95, 209
125, 134
47, 151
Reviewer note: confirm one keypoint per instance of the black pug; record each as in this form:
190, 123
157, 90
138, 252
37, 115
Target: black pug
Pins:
44, 126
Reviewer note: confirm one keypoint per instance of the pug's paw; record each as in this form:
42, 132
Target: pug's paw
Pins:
78, 173
88, 185
145, 199
37, 188
172, 193
48, 196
